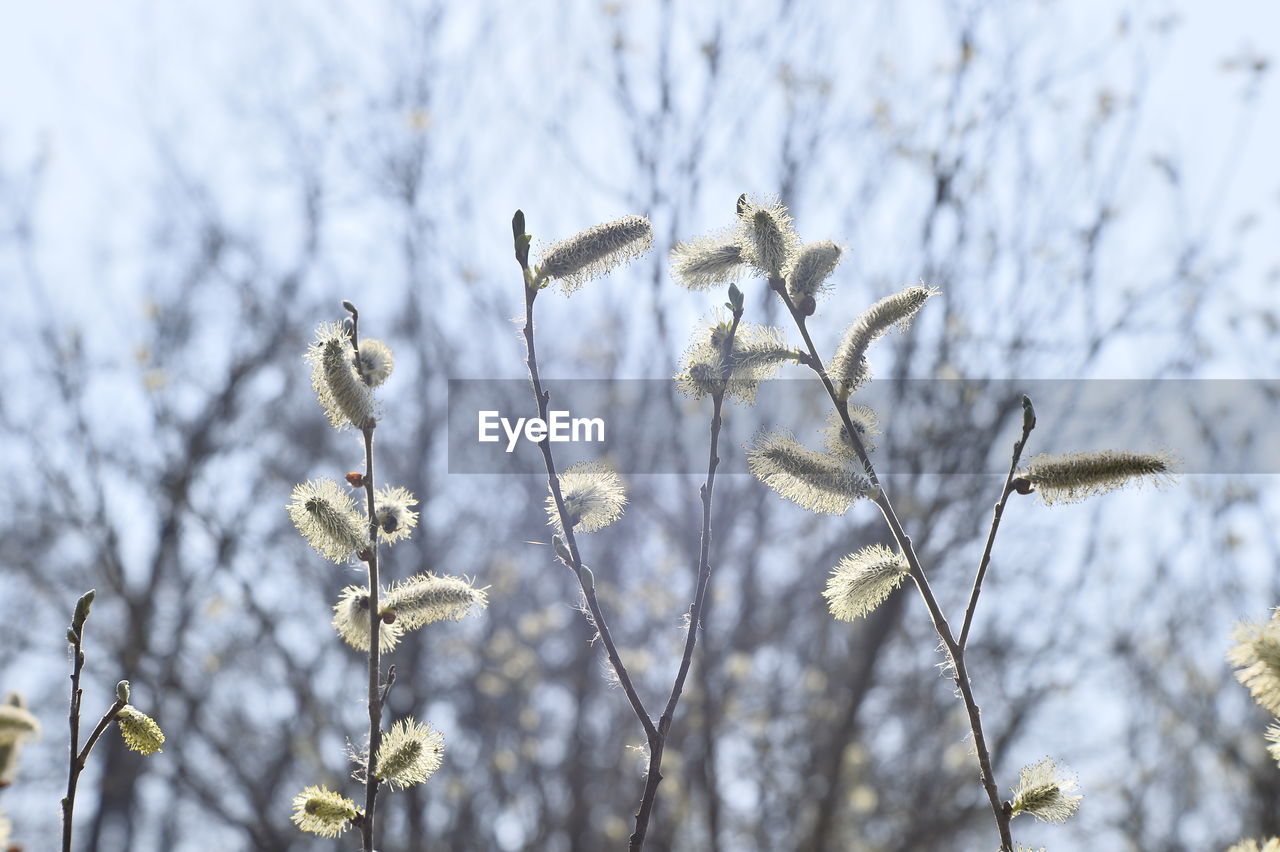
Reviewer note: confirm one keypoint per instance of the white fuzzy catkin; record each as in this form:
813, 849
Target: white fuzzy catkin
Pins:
708, 261
849, 368
863, 580
1256, 658
594, 252
593, 496
375, 362
807, 478
1076, 476
811, 268
865, 421
1252, 845
764, 231
17, 725
1045, 791
346, 399
426, 598
393, 510
328, 519
351, 620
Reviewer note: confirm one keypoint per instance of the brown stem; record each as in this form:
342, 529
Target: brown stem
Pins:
78, 756
583, 574
954, 650
74, 765
99, 730
656, 747
1028, 423
376, 692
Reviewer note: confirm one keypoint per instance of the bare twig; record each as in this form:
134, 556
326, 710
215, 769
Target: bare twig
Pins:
585, 578
74, 763
1028, 423
78, 756
656, 747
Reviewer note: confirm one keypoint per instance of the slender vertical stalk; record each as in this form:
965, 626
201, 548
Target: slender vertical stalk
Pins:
585, 578
1028, 423
375, 666
654, 776
74, 765
79, 756
954, 649
655, 733
377, 694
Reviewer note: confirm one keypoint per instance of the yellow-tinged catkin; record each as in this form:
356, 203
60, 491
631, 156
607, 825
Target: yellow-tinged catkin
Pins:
319, 810
1077, 476
595, 252
426, 598
1045, 791
140, 732
863, 580
1256, 658
410, 753
708, 261
810, 479
351, 620
593, 496
328, 519
849, 369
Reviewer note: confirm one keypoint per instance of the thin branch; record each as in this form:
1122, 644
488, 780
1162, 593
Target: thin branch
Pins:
99, 730
585, 578
74, 762
654, 776
954, 650
1028, 423
377, 693
77, 757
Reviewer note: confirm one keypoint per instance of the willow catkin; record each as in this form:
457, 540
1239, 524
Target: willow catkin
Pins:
595, 252
849, 368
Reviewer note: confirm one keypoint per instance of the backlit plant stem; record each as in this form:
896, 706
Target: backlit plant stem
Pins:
377, 694
583, 574
657, 745
79, 756
1028, 423
954, 649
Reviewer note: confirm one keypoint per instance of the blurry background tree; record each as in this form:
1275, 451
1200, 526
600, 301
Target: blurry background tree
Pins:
185, 193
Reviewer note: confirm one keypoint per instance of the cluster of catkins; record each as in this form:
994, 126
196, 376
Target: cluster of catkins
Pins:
344, 373
731, 361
